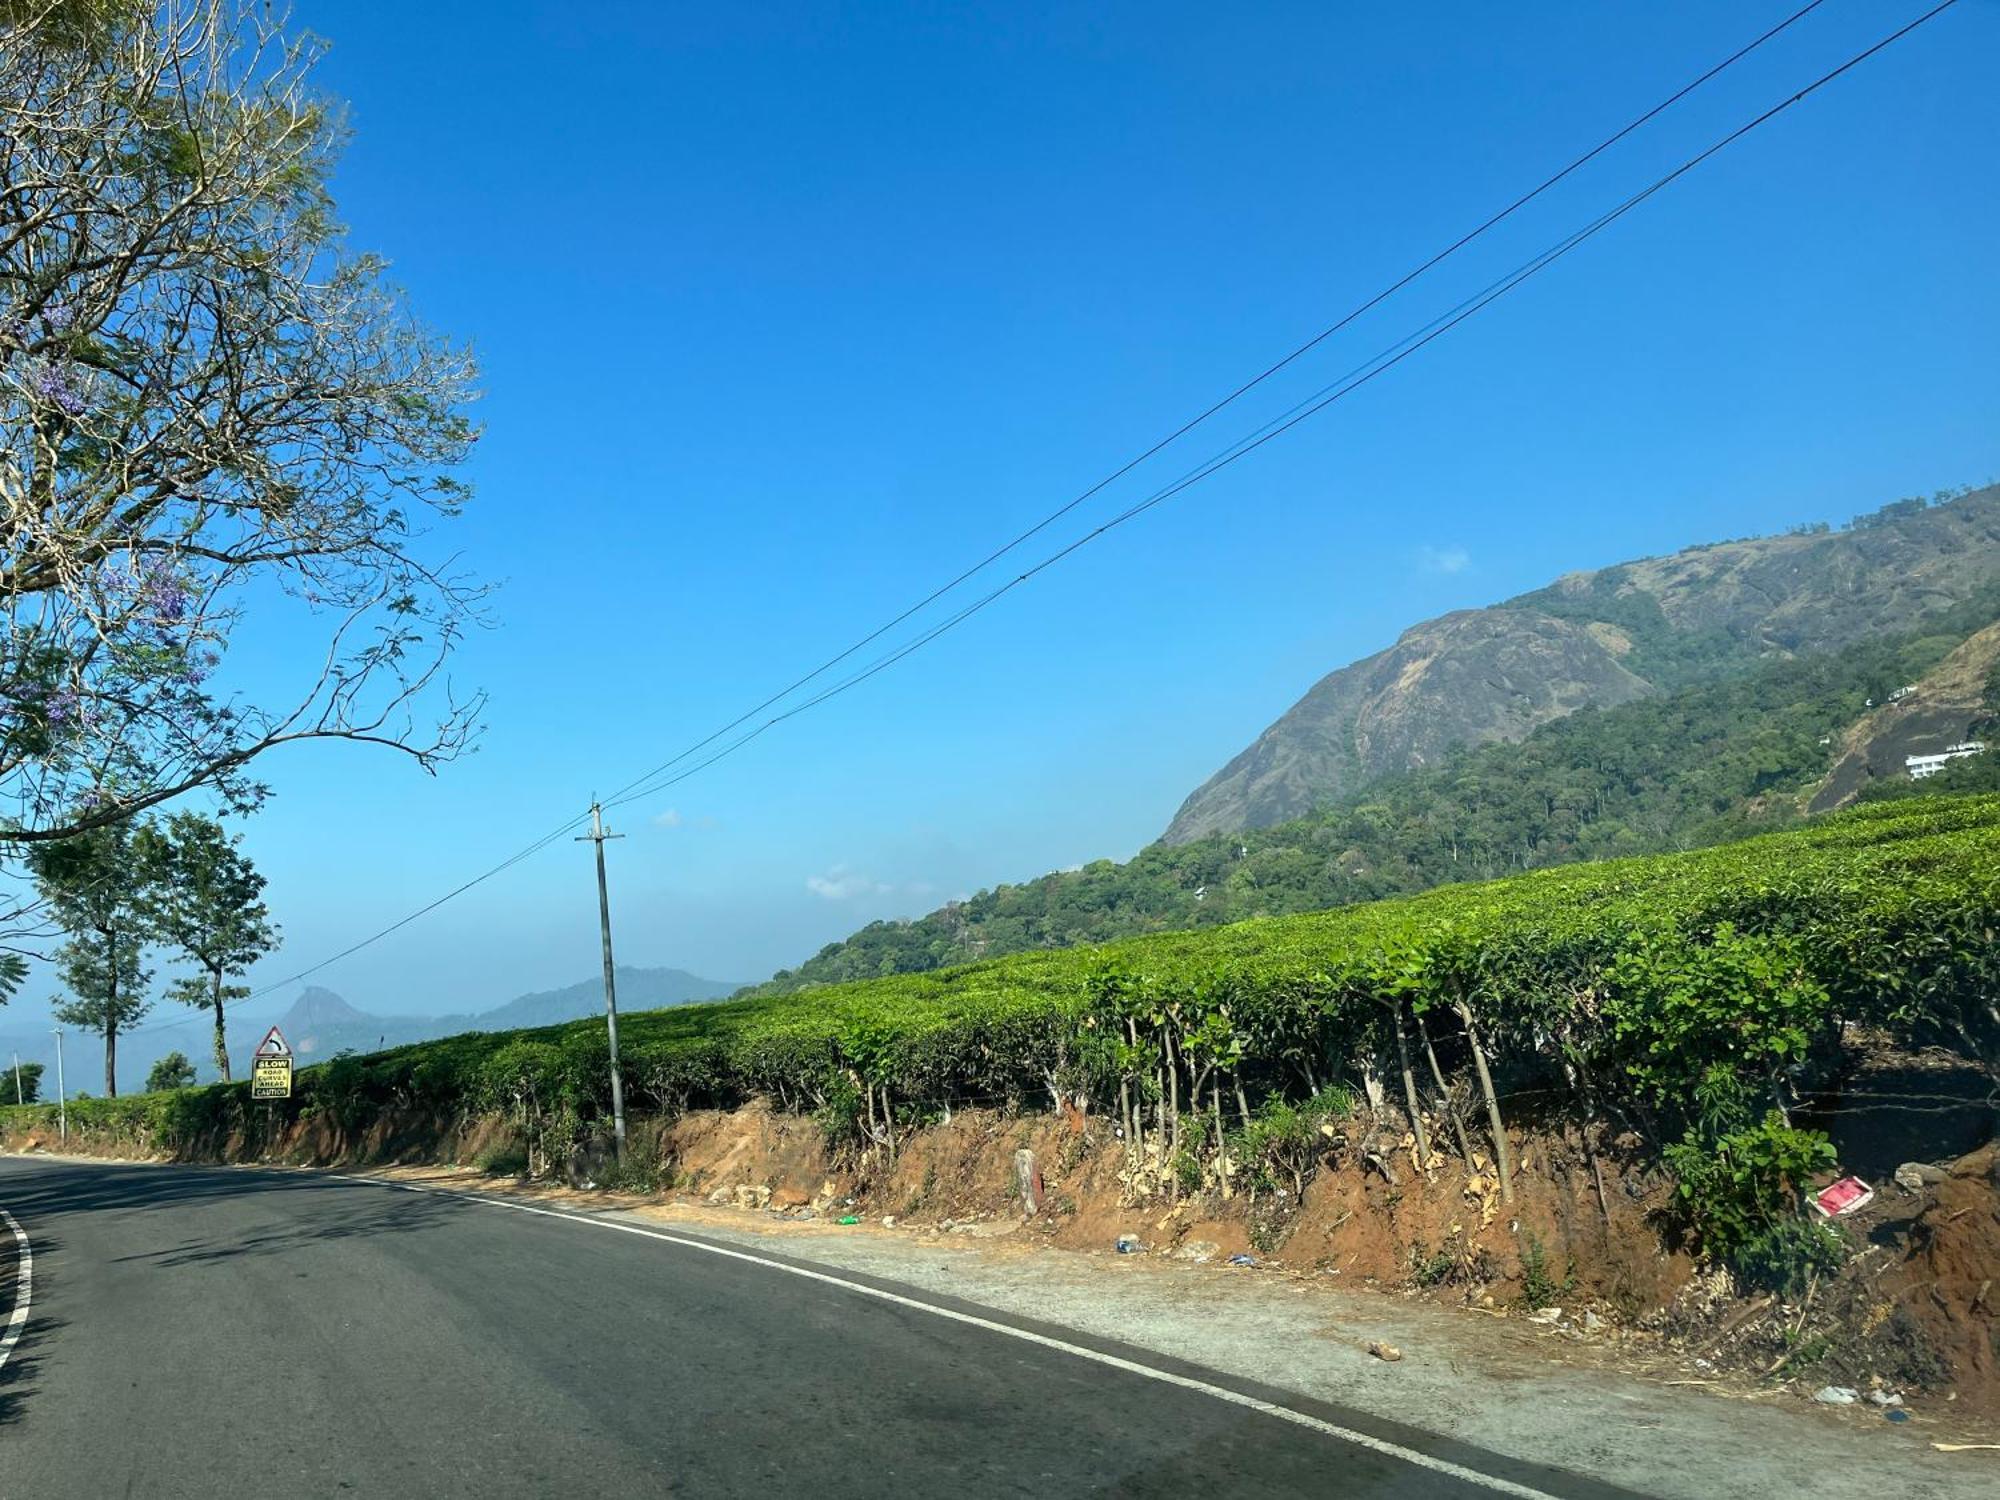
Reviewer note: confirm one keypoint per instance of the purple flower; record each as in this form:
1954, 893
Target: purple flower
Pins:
165, 594
57, 317
55, 384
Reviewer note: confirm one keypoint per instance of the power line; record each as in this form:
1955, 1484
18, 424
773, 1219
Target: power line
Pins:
506, 864
645, 784
1242, 390
1278, 427
481, 879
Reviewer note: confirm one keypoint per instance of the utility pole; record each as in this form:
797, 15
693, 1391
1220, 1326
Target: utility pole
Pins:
597, 836
17, 1080
62, 1091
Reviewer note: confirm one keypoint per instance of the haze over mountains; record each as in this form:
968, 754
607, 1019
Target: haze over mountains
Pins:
1646, 706
319, 1023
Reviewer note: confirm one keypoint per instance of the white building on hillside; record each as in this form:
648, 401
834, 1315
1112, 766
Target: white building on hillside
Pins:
1920, 766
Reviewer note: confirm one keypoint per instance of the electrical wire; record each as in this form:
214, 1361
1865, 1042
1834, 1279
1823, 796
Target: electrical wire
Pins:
647, 785
1240, 391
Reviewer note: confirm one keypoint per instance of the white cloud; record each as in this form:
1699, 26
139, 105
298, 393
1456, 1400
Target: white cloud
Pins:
1443, 559
843, 884
673, 818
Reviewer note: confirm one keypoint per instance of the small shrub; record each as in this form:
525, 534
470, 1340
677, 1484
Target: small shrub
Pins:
636, 1174
1539, 1287
1187, 1170
1740, 1196
839, 1113
1283, 1141
1784, 1257
1432, 1268
503, 1159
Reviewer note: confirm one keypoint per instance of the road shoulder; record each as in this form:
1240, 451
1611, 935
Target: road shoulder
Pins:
1492, 1385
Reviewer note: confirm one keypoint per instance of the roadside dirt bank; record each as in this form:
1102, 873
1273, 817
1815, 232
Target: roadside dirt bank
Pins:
1579, 1265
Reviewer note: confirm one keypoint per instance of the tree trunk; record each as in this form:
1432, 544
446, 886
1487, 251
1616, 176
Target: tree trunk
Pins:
1242, 1102
1417, 1130
1444, 1091
1221, 1140
221, 1039
110, 1015
1584, 1091
1371, 1085
1174, 1092
1503, 1157
1138, 1132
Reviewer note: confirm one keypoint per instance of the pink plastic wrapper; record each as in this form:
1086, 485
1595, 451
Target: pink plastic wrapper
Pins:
1843, 1197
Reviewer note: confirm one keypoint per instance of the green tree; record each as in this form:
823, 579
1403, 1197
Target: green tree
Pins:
92, 884
173, 1071
203, 899
21, 1084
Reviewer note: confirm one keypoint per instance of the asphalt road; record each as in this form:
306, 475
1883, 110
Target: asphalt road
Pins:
230, 1332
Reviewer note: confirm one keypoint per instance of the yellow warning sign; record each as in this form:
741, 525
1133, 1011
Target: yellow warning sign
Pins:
271, 1078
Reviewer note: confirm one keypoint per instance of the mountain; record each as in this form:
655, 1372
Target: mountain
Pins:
320, 1022
1700, 764
638, 989
1686, 733
1602, 638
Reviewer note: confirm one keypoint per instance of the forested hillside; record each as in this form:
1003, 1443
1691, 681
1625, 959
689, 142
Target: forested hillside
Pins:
1603, 638
1708, 762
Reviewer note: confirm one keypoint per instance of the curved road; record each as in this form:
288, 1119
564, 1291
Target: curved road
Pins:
232, 1332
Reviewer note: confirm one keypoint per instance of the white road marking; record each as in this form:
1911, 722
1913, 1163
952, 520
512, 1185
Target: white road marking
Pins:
24, 1290
1130, 1367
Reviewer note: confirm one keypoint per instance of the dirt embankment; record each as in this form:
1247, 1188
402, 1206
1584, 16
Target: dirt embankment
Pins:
1916, 1309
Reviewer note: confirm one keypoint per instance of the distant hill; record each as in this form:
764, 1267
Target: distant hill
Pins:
319, 1023
638, 989
1600, 639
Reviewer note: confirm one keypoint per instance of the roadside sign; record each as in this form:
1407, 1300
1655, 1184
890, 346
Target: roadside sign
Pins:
271, 1067
270, 1078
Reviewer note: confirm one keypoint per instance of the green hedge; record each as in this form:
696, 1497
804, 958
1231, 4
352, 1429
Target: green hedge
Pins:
1691, 994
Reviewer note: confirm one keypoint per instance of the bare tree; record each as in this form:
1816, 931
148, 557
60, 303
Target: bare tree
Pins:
212, 413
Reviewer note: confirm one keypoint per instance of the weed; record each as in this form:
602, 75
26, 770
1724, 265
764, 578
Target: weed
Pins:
632, 1175
503, 1159
839, 1114
1805, 1352
1428, 1268
1187, 1170
1538, 1287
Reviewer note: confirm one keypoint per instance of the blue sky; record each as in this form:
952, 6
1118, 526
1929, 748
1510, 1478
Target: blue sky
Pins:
786, 313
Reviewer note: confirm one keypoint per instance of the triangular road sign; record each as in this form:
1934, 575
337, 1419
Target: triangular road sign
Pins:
274, 1045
